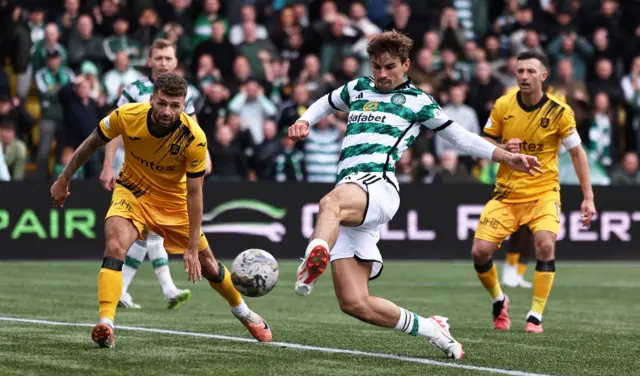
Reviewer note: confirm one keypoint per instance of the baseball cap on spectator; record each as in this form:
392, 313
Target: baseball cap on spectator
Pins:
52, 54
89, 67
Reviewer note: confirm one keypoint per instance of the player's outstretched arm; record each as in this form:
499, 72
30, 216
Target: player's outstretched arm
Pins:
477, 146
60, 189
194, 208
316, 112
581, 165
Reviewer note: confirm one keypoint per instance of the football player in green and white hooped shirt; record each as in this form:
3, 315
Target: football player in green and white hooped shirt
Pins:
385, 116
162, 60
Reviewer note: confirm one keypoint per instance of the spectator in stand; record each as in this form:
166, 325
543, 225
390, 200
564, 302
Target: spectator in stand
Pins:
83, 45
627, 173
290, 162
607, 81
49, 80
484, 90
266, 153
228, 161
317, 84
148, 27
237, 33
254, 108
451, 171
463, 115
220, 48
602, 134
322, 151
51, 42
81, 114
120, 41
203, 26
574, 91
120, 76
293, 109
13, 150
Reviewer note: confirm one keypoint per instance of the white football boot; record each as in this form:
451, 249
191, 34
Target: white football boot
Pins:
443, 339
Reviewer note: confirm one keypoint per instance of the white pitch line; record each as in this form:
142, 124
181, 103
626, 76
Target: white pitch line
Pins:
451, 364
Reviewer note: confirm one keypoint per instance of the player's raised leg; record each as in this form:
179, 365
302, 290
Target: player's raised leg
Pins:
134, 258
543, 278
346, 204
350, 280
220, 280
120, 234
160, 261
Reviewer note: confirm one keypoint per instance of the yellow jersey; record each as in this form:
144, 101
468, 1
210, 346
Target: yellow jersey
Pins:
541, 128
156, 166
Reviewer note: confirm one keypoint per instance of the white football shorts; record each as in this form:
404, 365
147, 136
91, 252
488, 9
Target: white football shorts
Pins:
361, 242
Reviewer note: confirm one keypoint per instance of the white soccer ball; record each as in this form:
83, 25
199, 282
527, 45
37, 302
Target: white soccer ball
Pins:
254, 272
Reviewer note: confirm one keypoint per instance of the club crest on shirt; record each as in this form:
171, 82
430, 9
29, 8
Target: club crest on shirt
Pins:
370, 106
174, 149
398, 99
544, 122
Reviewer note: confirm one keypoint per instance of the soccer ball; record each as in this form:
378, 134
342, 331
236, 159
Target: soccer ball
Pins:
254, 272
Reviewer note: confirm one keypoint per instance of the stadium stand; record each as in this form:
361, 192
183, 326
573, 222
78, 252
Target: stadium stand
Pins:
255, 65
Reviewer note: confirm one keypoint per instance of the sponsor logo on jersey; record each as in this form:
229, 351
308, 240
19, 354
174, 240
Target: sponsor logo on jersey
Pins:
366, 118
370, 106
152, 165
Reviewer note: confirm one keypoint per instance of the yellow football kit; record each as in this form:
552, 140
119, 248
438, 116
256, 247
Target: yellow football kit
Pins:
518, 198
151, 188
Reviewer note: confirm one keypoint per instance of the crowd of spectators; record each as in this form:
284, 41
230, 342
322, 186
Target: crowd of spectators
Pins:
254, 66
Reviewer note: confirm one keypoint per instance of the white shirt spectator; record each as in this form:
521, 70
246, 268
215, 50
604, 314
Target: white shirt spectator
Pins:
4, 170
114, 79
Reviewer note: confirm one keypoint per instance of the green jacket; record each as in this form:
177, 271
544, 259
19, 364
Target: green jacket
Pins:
48, 84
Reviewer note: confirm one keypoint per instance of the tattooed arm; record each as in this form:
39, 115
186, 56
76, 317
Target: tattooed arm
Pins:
82, 154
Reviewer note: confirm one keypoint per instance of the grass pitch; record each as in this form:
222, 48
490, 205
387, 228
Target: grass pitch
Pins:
592, 325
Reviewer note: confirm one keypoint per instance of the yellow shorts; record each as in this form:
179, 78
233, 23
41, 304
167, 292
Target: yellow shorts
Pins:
499, 220
171, 224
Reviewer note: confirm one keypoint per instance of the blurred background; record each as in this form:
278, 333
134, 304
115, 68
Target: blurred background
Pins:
254, 66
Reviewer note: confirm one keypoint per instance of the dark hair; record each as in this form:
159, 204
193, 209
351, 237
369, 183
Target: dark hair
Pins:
531, 54
171, 84
392, 42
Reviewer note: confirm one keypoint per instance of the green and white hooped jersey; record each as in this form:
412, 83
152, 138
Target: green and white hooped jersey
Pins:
140, 91
381, 126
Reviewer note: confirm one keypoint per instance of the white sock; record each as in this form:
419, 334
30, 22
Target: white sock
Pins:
160, 261
135, 257
314, 243
499, 298
107, 321
241, 311
414, 324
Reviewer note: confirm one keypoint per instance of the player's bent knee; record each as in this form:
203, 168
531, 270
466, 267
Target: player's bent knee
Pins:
213, 271
545, 249
330, 203
115, 248
482, 251
357, 308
